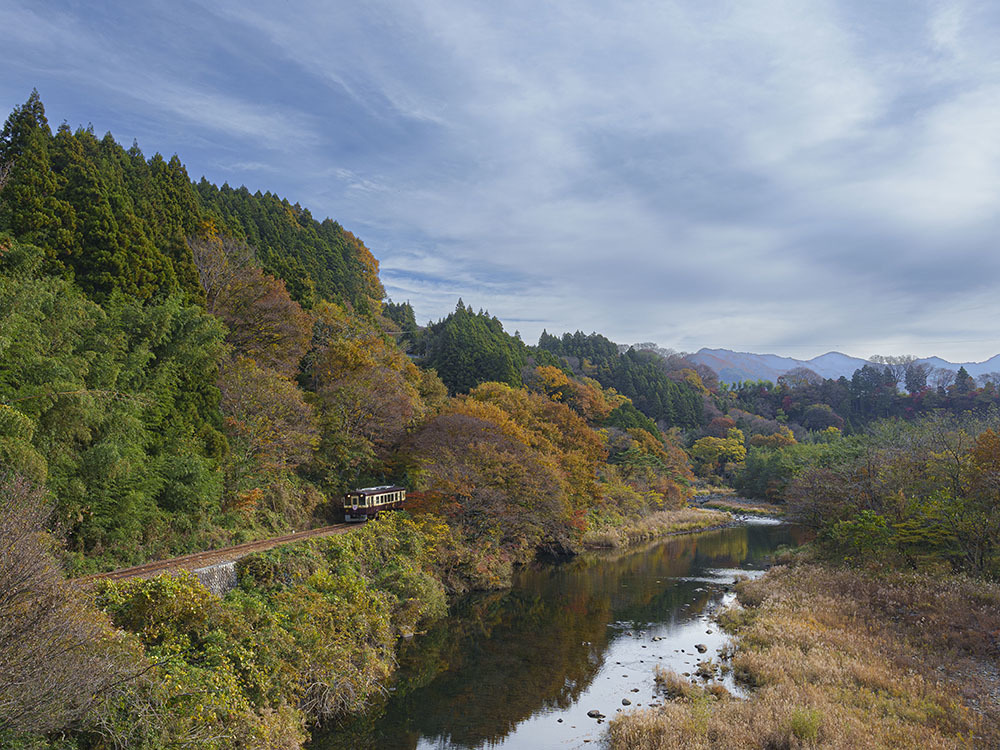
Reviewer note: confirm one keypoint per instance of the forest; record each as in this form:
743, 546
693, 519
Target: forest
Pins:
185, 366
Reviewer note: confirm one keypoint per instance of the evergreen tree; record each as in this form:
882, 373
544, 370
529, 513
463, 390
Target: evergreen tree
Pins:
469, 348
964, 382
29, 207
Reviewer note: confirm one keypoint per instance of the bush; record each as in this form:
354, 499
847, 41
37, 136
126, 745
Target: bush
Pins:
57, 655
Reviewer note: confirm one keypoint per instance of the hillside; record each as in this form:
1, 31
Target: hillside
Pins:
114, 221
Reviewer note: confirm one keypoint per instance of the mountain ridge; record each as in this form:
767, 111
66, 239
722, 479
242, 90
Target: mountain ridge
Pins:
732, 366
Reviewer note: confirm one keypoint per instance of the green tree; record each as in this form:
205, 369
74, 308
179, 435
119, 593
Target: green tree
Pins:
964, 382
467, 348
712, 454
29, 206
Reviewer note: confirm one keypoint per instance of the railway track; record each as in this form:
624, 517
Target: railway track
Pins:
211, 557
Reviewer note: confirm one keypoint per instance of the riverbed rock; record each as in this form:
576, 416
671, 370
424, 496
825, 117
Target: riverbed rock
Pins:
626, 702
702, 648
595, 714
705, 670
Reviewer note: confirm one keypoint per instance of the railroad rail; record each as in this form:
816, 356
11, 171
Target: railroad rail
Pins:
211, 557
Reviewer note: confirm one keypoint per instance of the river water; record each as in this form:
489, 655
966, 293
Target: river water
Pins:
504, 668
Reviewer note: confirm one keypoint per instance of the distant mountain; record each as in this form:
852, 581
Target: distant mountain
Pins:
973, 368
732, 367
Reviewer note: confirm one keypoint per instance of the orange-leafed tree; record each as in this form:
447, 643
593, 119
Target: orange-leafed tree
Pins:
492, 487
583, 395
552, 428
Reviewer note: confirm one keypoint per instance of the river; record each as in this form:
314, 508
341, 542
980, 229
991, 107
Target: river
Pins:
520, 669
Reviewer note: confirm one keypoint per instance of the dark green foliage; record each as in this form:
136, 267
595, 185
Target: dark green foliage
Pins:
114, 221
595, 348
468, 348
403, 323
627, 416
315, 259
964, 383
768, 471
79, 198
401, 313
29, 206
640, 375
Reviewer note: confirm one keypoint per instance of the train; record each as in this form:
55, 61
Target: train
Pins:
367, 502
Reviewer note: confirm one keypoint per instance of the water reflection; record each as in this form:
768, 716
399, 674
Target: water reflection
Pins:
504, 667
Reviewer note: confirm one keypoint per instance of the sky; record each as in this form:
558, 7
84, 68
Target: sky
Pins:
775, 176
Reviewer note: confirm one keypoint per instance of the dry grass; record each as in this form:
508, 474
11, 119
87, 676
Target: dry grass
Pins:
704, 488
653, 526
735, 505
840, 659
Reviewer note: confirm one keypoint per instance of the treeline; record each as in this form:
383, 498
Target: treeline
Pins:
802, 399
757, 434
467, 348
670, 395
917, 493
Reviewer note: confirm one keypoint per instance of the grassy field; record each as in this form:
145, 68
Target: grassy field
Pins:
654, 525
837, 658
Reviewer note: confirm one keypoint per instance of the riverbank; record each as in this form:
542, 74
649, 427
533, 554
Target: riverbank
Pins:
656, 525
839, 658
311, 633
523, 667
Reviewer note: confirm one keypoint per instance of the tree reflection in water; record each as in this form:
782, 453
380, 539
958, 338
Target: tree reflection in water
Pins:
502, 657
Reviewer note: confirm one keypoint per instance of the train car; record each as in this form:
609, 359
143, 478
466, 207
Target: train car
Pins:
368, 502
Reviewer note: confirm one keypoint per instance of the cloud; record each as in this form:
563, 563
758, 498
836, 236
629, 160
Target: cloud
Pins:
148, 79
772, 175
